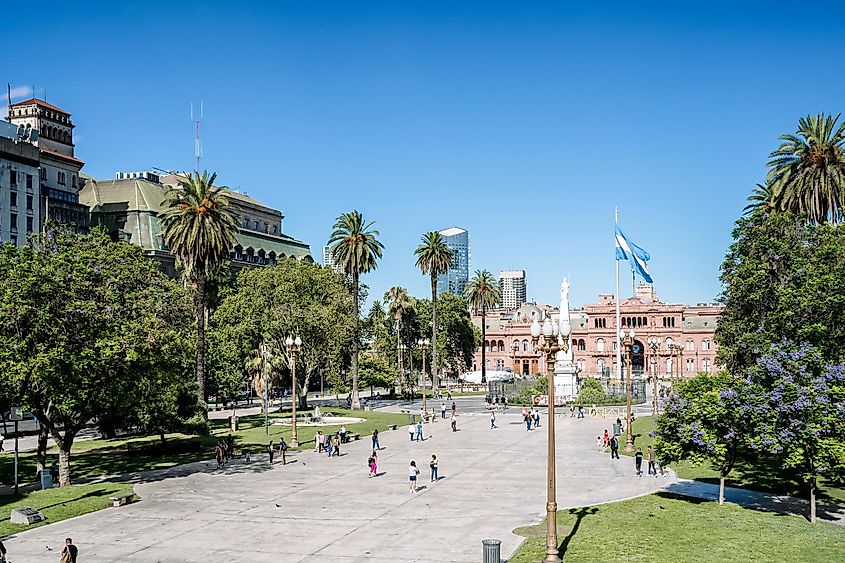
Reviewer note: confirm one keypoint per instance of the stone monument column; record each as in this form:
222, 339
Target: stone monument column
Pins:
566, 377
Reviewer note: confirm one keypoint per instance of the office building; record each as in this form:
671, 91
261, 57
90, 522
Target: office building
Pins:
20, 191
455, 279
512, 288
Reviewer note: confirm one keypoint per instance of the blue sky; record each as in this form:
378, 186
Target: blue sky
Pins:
524, 122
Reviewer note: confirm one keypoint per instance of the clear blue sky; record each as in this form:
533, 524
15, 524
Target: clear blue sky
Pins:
523, 122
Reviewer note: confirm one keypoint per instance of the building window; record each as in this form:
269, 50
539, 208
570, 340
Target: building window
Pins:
246, 222
582, 345
525, 346
600, 365
705, 345
13, 222
73, 180
600, 345
486, 346
690, 365
669, 342
13, 199
29, 182
669, 365
29, 224
501, 345
29, 203
60, 178
690, 345
13, 178
705, 365
275, 229
255, 224
42, 173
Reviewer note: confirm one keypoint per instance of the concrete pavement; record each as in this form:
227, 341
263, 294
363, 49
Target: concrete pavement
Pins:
321, 510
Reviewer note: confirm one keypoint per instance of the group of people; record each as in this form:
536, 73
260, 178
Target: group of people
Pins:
531, 417
653, 465
330, 444
224, 450
282, 449
414, 472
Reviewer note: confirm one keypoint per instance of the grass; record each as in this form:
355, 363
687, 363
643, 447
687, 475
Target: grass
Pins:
763, 474
59, 504
665, 527
119, 456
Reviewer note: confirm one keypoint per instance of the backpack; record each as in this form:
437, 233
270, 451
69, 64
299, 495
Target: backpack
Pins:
370, 461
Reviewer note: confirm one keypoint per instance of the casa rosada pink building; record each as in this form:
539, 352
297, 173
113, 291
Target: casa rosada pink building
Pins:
684, 333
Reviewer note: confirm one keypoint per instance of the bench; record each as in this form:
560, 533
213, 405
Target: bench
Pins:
391, 427
120, 500
351, 437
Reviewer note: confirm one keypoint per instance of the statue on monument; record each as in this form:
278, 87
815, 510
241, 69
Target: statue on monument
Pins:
565, 357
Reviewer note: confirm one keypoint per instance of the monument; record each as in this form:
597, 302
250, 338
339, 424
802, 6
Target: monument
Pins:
566, 374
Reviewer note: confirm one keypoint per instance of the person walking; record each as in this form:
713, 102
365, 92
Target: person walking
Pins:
614, 448
69, 552
536, 418
2, 439
336, 445
443, 411
271, 450
527, 422
580, 411
652, 460
283, 448
319, 442
449, 395
433, 466
419, 431
454, 408
343, 434
492, 420
373, 463
638, 462
412, 476
327, 446
606, 438
218, 454
506, 402
412, 430
376, 445
454, 423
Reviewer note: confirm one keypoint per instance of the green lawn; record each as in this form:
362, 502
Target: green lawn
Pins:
764, 474
59, 504
665, 527
97, 458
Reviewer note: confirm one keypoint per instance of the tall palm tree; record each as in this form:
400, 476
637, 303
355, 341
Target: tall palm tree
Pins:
433, 258
807, 172
356, 250
401, 306
760, 200
200, 230
482, 293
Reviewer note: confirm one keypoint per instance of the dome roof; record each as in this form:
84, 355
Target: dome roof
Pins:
527, 313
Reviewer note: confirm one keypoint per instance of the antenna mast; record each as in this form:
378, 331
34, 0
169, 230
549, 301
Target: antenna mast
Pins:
197, 141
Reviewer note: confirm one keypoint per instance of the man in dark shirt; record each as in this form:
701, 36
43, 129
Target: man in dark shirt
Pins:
638, 460
614, 448
69, 552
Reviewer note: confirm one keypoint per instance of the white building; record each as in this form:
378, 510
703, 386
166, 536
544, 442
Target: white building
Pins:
328, 260
20, 210
455, 279
512, 287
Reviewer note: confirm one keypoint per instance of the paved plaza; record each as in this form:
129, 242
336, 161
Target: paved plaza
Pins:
322, 510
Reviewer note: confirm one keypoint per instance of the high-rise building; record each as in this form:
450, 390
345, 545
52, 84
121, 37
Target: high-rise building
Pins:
328, 259
512, 288
20, 191
455, 279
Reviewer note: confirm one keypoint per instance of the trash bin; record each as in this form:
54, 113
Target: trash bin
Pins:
46, 479
492, 551
617, 429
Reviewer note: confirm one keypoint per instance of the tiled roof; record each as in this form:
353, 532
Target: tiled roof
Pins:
63, 156
40, 103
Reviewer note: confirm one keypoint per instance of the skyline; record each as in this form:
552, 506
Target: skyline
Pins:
525, 128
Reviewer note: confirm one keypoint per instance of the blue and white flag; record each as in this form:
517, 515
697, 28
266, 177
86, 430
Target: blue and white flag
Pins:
636, 256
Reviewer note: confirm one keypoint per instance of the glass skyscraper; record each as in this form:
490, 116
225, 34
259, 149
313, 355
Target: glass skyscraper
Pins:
456, 278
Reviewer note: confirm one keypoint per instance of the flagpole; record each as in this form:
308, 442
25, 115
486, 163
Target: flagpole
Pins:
618, 318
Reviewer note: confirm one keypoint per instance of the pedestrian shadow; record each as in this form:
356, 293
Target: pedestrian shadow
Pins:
422, 488
579, 513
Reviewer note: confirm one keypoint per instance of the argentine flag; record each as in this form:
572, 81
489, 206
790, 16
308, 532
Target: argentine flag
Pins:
636, 256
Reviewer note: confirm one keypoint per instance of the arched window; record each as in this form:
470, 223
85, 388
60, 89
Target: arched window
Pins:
600, 345
582, 365
690, 345
705, 365
690, 365
705, 345
486, 346
582, 346
525, 346
600, 365
669, 365
669, 342
516, 345
501, 345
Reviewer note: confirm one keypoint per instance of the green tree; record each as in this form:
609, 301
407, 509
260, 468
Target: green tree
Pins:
355, 248
401, 308
783, 279
200, 230
89, 327
807, 172
433, 258
483, 293
704, 421
458, 337
591, 393
267, 305
760, 200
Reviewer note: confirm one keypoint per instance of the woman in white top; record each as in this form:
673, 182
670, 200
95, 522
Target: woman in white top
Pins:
412, 476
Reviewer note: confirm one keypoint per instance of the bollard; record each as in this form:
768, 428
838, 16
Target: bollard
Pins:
492, 551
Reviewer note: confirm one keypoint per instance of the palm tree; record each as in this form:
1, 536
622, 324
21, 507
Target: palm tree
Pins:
356, 250
401, 306
200, 230
807, 172
483, 292
760, 200
434, 258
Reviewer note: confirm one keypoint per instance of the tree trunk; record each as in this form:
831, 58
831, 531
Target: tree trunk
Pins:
64, 466
813, 500
356, 404
483, 344
199, 304
163, 440
435, 381
41, 449
721, 488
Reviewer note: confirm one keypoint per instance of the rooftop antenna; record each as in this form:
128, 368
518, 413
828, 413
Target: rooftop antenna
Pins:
197, 142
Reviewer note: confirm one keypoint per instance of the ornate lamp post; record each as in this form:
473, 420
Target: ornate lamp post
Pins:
265, 355
653, 344
554, 339
423, 343
677, 350
627, 340
515, 349
293, 346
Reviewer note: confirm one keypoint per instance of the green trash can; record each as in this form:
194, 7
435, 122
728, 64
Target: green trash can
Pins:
492, 551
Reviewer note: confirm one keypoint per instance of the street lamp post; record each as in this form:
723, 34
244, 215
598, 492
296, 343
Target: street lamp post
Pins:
653, 343
265, 353
423, 344
293, 346
628, 345
555, 339
402, 377
515, 348
677, 351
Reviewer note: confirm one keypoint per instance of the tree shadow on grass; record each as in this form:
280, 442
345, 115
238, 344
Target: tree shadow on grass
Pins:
579, 513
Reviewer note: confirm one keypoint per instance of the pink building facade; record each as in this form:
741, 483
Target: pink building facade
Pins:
684, 333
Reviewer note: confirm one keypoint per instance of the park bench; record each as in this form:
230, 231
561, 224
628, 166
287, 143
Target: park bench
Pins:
391, 427
120, 500
351, 437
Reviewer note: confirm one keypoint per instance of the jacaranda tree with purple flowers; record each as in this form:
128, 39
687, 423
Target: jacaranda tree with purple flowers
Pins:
702, 422
798, 404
